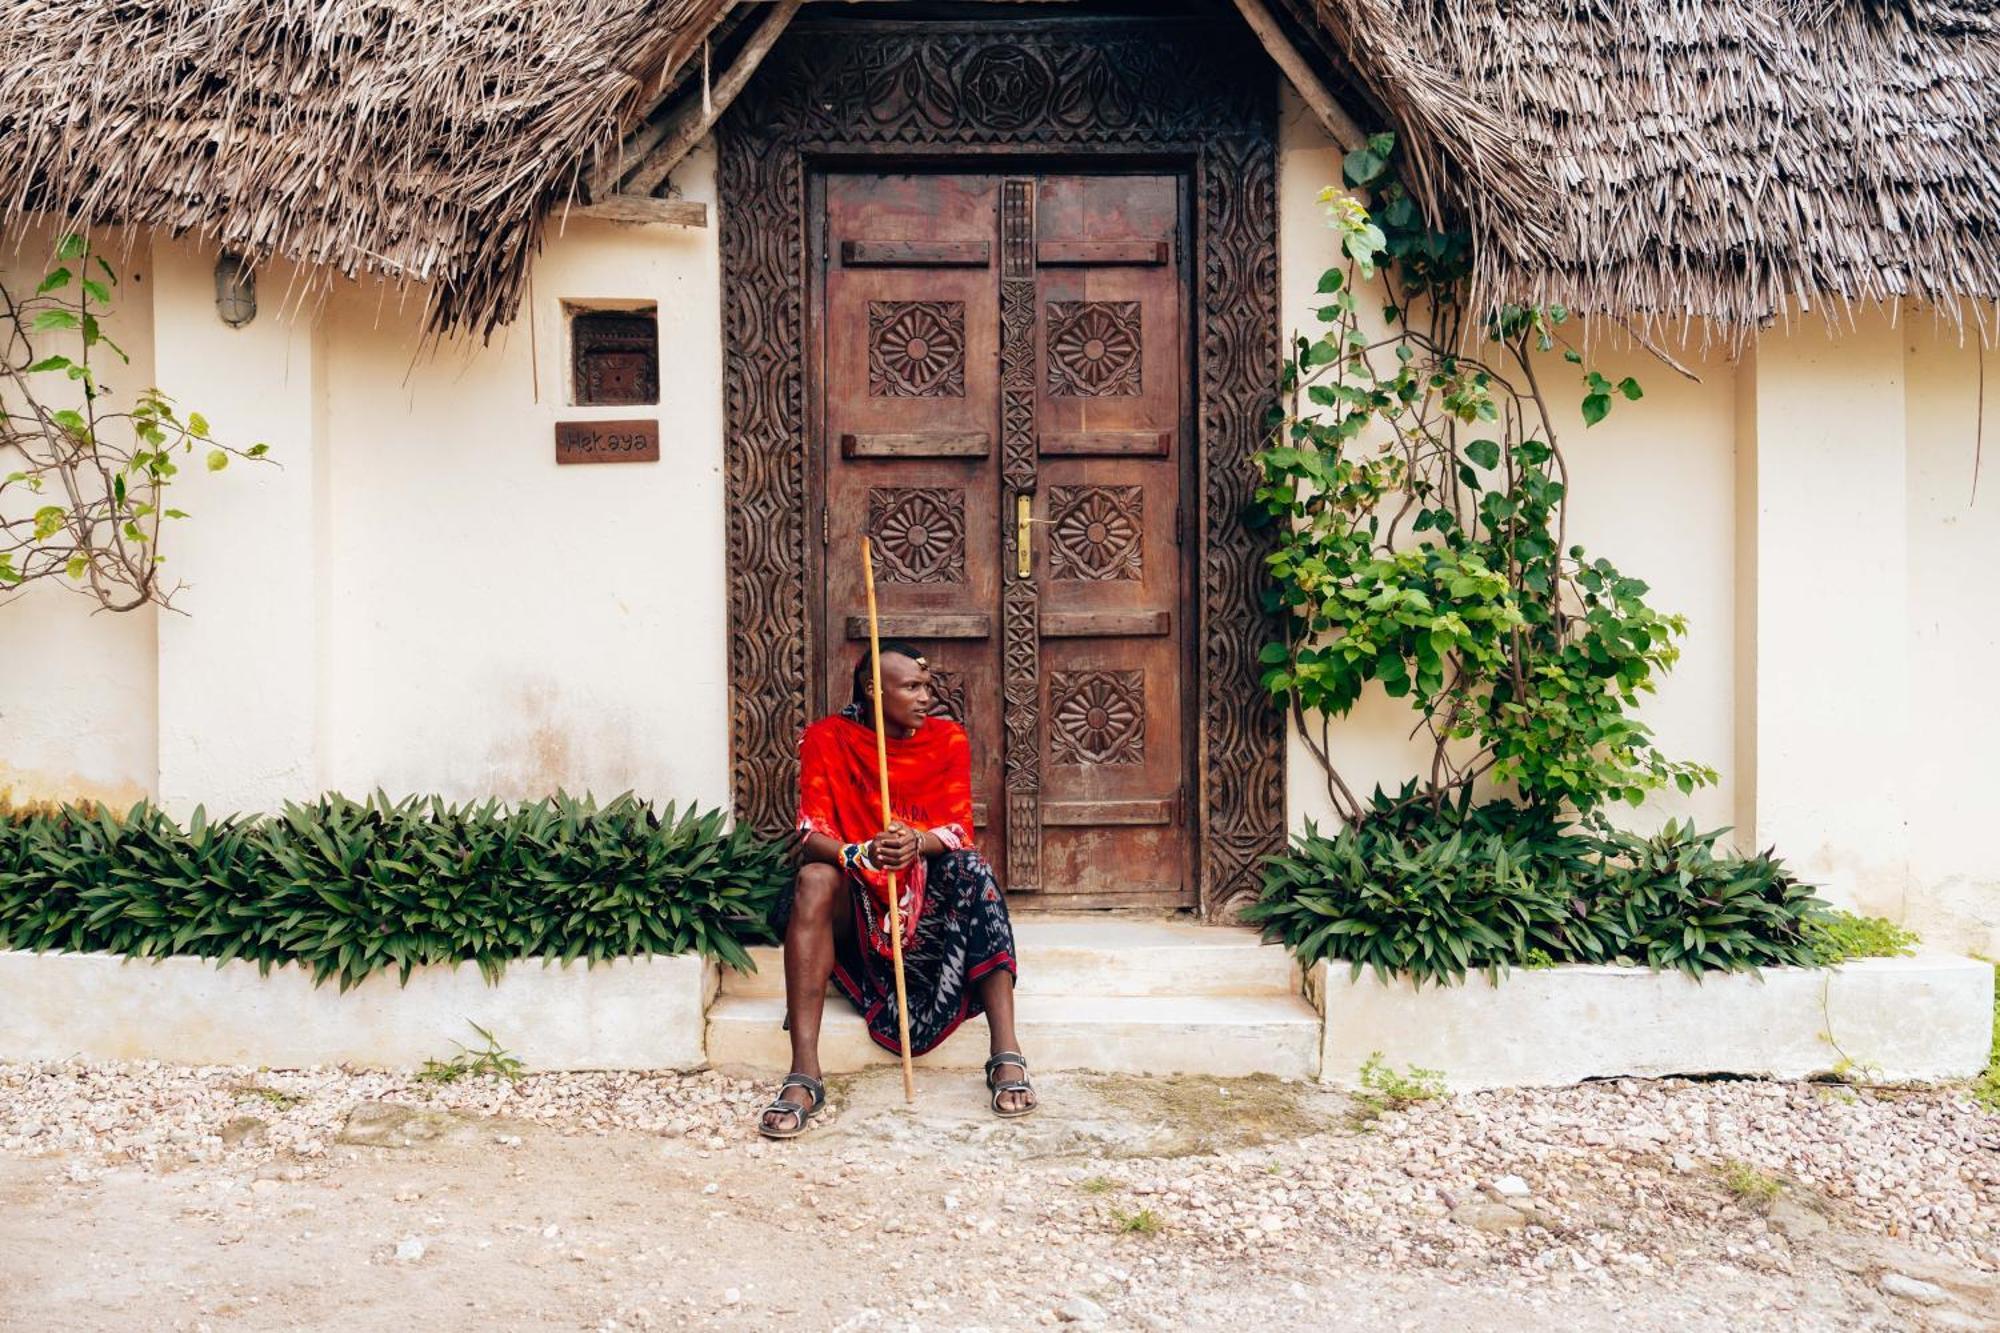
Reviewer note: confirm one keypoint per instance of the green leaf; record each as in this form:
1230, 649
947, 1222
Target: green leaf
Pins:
77, 566
1630, 388
217, 460
1596, 407
71, 246
47, 320
56, 277
50, 363
1364, 166
1485, 453
197, 425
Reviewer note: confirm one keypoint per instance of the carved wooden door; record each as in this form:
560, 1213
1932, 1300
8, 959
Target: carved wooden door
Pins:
1002, 401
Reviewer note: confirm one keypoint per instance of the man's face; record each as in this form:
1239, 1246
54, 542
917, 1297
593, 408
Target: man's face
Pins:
906, 691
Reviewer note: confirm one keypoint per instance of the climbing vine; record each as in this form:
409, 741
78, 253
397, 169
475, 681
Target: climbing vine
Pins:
83, 484
1419, 496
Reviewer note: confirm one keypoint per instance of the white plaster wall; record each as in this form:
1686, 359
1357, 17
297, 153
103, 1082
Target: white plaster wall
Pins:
1952, 786
496, 624
1825, 555
236, 674
1653, 489
77, 690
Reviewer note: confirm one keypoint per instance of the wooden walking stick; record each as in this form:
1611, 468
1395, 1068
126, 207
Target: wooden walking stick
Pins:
888, 819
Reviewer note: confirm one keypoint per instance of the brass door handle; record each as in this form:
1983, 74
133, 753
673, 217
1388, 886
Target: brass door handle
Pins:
1024, 535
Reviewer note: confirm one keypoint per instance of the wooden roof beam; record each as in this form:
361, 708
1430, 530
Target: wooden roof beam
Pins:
1311, 90
678, 137
644, 208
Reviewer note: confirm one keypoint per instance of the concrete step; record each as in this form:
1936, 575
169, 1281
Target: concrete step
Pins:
1108, 956
1221, 1035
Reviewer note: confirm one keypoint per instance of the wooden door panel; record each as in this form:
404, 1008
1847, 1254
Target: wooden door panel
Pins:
910, 348
1112, 397
915, 442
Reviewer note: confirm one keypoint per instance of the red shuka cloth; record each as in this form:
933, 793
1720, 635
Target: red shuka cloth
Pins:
930, 787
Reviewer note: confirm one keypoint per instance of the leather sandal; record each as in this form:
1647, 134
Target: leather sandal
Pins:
997, 1090
781, 1105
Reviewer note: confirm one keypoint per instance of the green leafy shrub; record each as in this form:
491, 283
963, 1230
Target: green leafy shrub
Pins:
1839, 935
1416, 493
348, 888
1674, 901
1432, 892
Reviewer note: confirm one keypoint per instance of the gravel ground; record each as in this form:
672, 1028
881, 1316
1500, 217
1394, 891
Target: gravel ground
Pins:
140, 1195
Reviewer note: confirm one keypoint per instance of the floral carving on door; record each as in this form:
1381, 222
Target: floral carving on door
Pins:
916, 349
918, 533
1096, 533
948, 694
1099, 716
1093, 349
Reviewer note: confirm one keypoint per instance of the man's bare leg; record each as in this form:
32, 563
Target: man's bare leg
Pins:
821, 893
996, 988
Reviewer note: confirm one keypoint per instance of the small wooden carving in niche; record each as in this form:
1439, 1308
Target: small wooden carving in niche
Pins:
1093, 349
1099, 717
919, 533
615, 357
916, 349
1096, 532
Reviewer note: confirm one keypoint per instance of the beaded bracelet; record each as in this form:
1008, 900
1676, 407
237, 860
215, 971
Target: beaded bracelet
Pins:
854, 856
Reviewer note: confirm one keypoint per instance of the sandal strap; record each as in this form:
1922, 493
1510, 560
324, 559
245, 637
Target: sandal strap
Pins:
1006, 1058
809, 1083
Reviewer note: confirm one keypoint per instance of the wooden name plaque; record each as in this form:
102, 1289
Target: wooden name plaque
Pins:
608, 441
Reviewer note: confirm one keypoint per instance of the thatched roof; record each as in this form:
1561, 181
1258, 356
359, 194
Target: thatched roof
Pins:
421, 139
1728, 159
1724, 159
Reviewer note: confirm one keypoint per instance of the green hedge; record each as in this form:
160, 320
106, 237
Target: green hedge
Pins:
349, 888
1432, 893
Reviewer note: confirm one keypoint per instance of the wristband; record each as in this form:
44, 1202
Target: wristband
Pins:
854, 856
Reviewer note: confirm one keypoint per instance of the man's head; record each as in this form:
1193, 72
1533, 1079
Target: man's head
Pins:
906, 685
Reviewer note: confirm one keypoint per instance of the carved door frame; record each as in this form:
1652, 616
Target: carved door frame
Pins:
1197, 95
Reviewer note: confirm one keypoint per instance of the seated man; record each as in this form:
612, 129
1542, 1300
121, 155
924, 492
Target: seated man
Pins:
958, 945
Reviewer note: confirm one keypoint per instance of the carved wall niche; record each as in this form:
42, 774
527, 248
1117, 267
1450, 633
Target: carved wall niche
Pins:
1193, 92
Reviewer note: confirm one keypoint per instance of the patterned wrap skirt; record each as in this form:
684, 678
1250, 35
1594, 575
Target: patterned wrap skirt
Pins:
963, 934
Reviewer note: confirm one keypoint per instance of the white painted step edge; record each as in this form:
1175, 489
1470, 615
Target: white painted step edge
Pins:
1222, 1036
1241, 968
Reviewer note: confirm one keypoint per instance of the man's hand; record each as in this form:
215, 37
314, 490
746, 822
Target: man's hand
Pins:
896, 848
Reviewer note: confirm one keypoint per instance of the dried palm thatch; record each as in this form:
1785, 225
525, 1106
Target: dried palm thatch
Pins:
1720, 160
1716, 160
422, 141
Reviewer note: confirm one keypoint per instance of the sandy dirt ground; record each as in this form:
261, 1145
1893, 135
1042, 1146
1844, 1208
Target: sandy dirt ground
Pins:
138, 1197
